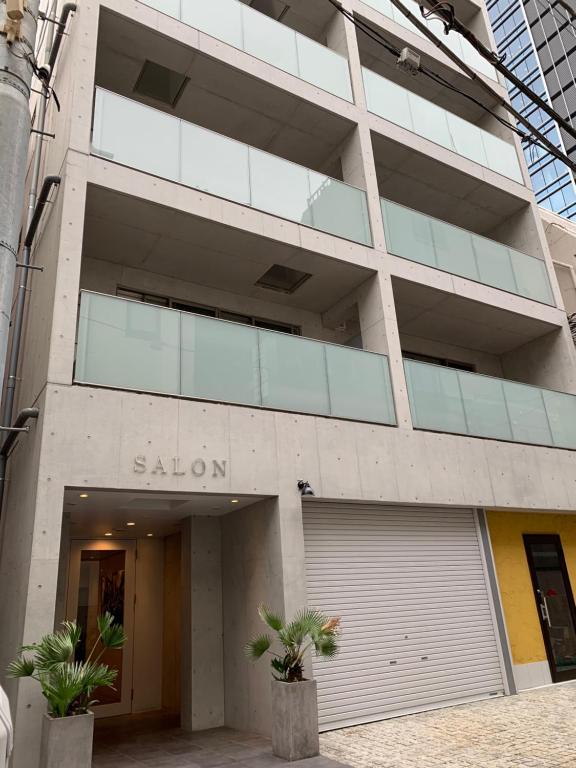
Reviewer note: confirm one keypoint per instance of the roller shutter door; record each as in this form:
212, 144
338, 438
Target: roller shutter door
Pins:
417, 621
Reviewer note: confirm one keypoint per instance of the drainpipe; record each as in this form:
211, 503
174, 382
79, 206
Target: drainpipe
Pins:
36, 205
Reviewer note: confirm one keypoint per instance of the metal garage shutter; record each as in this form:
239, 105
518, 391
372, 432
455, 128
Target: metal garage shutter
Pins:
417, 621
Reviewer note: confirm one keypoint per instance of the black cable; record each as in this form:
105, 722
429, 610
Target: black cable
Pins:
536, 137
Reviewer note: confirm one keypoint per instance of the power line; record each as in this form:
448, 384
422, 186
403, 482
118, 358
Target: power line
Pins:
540, 138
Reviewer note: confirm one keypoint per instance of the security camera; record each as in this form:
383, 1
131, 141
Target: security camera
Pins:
305, 488
43, 73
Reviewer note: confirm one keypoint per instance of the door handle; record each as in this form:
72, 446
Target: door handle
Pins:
544, 609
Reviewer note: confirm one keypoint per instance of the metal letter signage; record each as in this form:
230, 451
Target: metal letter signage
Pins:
175, 465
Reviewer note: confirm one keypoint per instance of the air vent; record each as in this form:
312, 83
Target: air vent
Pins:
160, 83
283, 279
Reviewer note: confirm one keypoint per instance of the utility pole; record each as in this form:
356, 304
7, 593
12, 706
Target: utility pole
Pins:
18, 24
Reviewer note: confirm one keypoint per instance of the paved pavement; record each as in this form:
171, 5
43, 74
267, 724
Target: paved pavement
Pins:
536, 729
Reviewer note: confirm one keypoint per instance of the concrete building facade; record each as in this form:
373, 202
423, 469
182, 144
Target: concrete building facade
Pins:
276, 257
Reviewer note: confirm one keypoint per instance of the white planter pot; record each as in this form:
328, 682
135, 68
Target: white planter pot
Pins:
295, 720
67, 741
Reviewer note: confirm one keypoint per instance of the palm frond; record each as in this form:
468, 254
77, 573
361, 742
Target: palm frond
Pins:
306, 622
111, 634
326, 646
273, 620
21, 667
56, 648
258, 647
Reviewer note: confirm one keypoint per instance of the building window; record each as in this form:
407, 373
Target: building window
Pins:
198, 309
460, 366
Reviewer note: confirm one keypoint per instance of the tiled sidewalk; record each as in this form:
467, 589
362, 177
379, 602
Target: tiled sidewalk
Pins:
144, 741
536, 729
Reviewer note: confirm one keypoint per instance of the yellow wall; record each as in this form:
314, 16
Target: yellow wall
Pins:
506, 529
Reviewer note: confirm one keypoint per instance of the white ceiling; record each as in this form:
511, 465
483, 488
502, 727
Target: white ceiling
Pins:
431, 314
139, 234
156, 513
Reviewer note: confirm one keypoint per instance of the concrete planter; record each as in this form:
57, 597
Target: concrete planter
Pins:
67, 741
295, 720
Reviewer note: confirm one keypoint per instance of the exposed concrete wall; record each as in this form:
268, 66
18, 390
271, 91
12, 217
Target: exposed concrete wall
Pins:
147, 658
252, 574
172, 624
202, 650
546, 362
566, 277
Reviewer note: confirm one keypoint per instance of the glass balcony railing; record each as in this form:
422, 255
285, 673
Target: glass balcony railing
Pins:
412, 235
406, 109
453, 40
131, 345
149, 140
447, 400
249, 30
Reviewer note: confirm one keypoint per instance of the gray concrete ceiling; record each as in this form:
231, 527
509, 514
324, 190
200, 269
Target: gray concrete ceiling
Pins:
431, 314
139, 234
98, 512
428, 185
221, 98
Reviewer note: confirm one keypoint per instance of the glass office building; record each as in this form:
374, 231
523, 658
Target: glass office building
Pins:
537, 40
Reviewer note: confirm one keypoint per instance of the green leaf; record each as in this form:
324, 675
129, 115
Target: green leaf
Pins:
274, 621
22, 667
111, 634
326, 646
258, 647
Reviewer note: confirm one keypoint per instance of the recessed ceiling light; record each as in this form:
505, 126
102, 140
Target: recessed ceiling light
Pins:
108, 533
149, 534
234, 501
130, 523
83, 495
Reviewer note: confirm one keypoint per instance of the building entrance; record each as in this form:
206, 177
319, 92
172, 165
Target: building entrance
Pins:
102, 579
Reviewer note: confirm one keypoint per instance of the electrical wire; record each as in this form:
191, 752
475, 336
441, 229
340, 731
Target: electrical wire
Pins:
534, 138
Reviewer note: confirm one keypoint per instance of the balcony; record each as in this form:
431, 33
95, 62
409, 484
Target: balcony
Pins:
264, 38
154, 142
130, 345
420, 116
446, 400
454, 41
426, 240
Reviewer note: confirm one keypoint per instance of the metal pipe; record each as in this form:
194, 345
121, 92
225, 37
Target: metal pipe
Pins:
21, 419
67, 9
49, 182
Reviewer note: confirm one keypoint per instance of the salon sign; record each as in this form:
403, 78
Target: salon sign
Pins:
178, 466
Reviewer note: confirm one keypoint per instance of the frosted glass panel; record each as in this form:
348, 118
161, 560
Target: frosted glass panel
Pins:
404, 108
485, 406
467, 140
430, 121
561, 410
152, 148
408, 234
215, 164
501, 156
532, 277
127, 344
454, 252
270, 41
146, 139
218, 18
359, 385
435, 397
323, 67
494, 264
387, 99
169, 7
417, 237
280, 187
293, 373
219, 360
338, 208
527, 414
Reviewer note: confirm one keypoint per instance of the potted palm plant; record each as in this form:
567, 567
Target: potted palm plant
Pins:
68, 685
294, 698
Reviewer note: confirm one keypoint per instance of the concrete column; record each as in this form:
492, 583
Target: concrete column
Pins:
202, 625
380, 334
